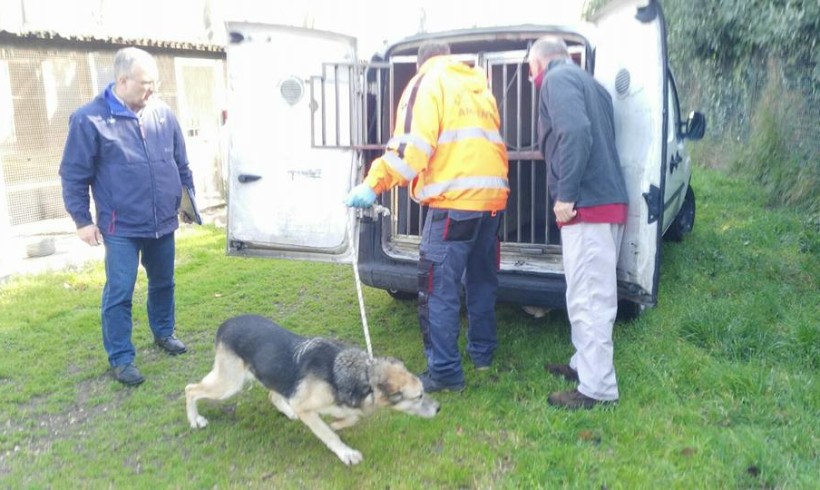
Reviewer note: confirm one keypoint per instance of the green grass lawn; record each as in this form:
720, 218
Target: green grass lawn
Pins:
719, 383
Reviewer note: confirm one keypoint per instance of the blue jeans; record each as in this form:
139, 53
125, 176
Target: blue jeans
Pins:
122, 256
458, 247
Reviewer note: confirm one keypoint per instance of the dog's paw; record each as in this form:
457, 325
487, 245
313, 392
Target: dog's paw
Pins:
199, 422
287, 411
350, 456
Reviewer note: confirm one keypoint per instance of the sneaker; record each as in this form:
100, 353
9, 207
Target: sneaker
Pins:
562, 371
574, 399
128, 374
171, 345
431, 385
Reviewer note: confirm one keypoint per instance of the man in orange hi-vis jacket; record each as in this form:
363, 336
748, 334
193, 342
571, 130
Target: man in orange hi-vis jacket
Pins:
446, 147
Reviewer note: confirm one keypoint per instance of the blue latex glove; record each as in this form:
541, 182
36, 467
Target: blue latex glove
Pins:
361, 196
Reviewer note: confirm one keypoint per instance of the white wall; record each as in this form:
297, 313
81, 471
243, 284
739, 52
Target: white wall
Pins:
6, 132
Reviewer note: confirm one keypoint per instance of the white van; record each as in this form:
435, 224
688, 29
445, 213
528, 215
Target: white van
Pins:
307, 117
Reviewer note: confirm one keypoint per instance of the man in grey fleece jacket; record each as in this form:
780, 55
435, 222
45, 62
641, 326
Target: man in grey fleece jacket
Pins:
576, 133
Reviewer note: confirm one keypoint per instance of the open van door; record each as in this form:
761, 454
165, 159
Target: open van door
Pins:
286, 182
630, 61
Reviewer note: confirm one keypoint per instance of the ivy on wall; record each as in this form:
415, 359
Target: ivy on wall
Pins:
729, 58
733, 31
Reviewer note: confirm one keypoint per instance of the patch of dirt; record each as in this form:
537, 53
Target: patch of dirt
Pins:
49, 428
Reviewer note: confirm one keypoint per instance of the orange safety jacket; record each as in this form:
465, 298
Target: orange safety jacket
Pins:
446, 145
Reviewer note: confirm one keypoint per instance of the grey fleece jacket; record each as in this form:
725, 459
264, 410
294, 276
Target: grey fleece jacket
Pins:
576, 135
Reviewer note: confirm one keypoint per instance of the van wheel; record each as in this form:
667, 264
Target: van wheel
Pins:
685, 220
628, 311
401, 295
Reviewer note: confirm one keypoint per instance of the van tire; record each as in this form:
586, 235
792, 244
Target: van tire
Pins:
685, 220
628, 311
401, 295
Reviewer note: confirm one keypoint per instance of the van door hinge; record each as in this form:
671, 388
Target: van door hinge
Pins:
653, 203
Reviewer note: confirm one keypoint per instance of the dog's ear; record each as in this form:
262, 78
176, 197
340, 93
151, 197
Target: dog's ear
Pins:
392, 392
387, 374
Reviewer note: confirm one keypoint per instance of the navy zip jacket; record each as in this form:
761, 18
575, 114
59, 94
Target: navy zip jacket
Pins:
576, 134
134, 165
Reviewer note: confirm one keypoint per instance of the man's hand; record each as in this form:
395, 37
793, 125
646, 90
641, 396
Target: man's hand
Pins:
183, 216
564, 211
361, 196
90, 234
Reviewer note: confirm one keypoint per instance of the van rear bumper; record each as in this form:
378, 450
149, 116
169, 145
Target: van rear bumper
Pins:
525, 290
378, 270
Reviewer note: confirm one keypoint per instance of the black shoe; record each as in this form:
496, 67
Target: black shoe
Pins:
430, 385
562, 371
483, 365
128, 374
171, 345
574, 399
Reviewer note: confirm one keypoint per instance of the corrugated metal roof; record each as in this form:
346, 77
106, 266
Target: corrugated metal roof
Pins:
52, 38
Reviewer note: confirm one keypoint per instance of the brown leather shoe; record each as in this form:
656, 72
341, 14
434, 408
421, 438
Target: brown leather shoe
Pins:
574, 400
562, 371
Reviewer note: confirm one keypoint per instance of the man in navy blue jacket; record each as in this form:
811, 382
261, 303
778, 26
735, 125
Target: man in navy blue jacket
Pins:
128, 148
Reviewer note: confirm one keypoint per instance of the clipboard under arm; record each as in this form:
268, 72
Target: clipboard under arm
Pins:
188, 205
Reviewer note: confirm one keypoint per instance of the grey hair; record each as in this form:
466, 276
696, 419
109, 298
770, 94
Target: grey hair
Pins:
548, 48
126, 58
428, 49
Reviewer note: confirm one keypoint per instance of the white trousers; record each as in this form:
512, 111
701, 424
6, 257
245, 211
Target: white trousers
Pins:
590, 252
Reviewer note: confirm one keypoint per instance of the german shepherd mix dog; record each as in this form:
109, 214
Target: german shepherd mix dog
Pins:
307, 378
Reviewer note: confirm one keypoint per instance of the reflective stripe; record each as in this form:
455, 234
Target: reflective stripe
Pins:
411, 139
399, 165
468, 133
440, 188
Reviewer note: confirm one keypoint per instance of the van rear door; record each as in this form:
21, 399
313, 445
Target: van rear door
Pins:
630, 61
285, 183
